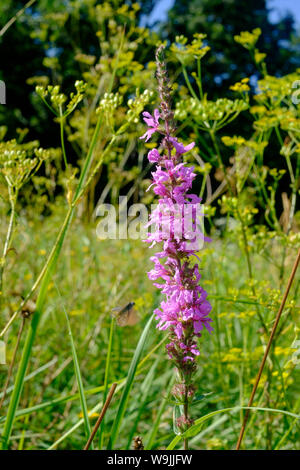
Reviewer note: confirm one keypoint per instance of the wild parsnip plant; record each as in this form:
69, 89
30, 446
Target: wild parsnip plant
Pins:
59, 282
113, 23
18, 163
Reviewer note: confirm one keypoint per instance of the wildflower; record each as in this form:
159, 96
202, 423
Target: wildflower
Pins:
153, 156
180, 148
184, 312
179, 391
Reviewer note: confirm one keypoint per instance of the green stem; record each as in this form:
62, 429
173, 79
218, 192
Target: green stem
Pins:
106, 377
15, 17
186, 415
62, 139
79, 380
89, 159
189, 83
203, 185
199, 81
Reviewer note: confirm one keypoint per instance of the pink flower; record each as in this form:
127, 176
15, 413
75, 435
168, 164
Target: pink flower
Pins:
180, 148
185, 309
153, 156
152, 123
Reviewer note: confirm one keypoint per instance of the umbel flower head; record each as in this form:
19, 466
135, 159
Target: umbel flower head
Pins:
184, 311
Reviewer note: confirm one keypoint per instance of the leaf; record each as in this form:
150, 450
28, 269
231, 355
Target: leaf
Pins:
193, 430
83, 404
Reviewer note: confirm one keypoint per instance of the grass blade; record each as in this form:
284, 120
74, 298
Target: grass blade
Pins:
106, 377
83, 404
193, 430
141, 401
75, 396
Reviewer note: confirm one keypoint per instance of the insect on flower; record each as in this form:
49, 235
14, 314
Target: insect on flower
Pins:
126, 316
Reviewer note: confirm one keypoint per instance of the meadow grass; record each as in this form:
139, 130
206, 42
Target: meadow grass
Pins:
96, 275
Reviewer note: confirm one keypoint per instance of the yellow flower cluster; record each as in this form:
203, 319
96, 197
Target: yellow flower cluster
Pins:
185, 52
247, 39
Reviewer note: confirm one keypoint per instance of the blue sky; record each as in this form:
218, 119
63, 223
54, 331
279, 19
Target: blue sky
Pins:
279, 8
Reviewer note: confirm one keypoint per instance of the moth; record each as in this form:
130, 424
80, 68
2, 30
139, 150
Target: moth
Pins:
125, 316
28, 308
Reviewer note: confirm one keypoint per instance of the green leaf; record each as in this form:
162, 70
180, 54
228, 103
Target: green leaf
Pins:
83, 404
193, 430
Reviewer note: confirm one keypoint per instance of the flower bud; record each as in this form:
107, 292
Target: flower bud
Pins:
184, 423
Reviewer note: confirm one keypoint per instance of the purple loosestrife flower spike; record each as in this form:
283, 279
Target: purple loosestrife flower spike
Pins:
184, 311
